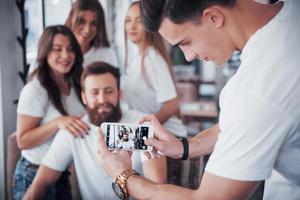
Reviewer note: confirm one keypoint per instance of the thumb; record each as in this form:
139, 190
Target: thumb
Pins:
101, 142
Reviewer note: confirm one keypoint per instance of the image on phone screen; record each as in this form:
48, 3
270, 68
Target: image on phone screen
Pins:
127, 137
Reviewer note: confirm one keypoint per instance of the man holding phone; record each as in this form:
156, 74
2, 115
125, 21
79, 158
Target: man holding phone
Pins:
101, 94
259, 123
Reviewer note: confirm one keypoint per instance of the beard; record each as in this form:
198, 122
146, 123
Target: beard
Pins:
96, 118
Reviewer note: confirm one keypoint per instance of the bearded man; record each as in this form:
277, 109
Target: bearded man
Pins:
101, 94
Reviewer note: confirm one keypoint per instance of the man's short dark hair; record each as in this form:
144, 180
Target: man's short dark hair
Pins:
178, 11
97, 68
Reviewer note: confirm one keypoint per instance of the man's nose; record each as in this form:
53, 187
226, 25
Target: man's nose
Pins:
101, 97
189, 55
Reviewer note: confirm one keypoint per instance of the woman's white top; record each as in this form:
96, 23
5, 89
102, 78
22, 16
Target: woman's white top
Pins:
105, 54
147, 89
34, 102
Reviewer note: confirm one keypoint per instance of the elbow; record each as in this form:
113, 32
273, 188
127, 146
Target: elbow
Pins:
175, 105
21, 142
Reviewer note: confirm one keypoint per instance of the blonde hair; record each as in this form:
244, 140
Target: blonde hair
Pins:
153, 39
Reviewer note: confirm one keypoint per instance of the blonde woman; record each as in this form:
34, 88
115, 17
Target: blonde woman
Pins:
148, 84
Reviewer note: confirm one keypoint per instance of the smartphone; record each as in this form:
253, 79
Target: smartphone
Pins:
127, 136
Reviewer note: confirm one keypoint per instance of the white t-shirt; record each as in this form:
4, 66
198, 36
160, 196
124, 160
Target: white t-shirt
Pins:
147, 93
94, 182
260, 115
34, 101
105, 54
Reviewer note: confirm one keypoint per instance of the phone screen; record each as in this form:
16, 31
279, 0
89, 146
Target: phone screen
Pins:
128, 137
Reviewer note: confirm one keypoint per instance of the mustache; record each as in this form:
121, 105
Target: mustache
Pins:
100, 105
96, 117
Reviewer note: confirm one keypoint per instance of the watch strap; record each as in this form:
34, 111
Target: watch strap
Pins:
185, 144
121, 180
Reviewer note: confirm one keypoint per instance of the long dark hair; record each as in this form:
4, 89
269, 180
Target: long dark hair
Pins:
43, 71
101, 39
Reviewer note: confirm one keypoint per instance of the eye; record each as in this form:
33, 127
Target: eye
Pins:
94, 92
109, 91
80, 21
185, 43
56, 48
93, 23
70, 49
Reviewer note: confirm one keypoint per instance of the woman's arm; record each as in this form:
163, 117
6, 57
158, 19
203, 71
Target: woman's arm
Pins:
30, 134
168, 109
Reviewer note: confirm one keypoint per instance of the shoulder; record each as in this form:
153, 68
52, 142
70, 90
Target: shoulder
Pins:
103, 50
34, 88
152, 53
153, 57
131, 116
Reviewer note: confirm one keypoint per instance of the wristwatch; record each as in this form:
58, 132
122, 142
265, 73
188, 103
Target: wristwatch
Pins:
119, 186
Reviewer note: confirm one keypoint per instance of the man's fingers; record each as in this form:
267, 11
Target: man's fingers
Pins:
148, 155
159, 145
155, 154
147, 118
101, 142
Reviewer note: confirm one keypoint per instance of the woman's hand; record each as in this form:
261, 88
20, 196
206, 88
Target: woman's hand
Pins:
73, 124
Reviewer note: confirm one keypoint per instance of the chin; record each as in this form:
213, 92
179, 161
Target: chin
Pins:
134, 40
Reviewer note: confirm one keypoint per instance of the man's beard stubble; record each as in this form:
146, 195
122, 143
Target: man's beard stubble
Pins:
96, 118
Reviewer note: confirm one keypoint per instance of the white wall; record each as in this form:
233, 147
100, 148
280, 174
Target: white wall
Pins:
10, 62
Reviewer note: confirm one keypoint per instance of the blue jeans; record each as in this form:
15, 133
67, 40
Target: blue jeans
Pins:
24, 175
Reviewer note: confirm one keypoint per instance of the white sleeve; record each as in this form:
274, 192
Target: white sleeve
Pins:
33, 100
59, 155
159, 76
252, 133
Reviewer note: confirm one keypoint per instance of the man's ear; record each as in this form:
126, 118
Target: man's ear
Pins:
214, 16
83, 97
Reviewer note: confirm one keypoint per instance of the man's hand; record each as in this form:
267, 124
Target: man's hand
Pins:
164, 142
116, 162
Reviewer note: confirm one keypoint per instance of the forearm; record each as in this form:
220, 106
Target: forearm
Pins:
36, 192
155, 169
141, 188
204, 142
37, 136
43, 180
168, 109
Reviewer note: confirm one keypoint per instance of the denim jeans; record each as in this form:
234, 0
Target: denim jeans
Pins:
24, 175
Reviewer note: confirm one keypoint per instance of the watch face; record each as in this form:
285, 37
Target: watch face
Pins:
118, 191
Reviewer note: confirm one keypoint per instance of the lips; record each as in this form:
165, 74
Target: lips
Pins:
132, 33
65, 63
105, 107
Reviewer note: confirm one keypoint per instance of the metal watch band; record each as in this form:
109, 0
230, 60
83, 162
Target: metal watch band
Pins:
121, 180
